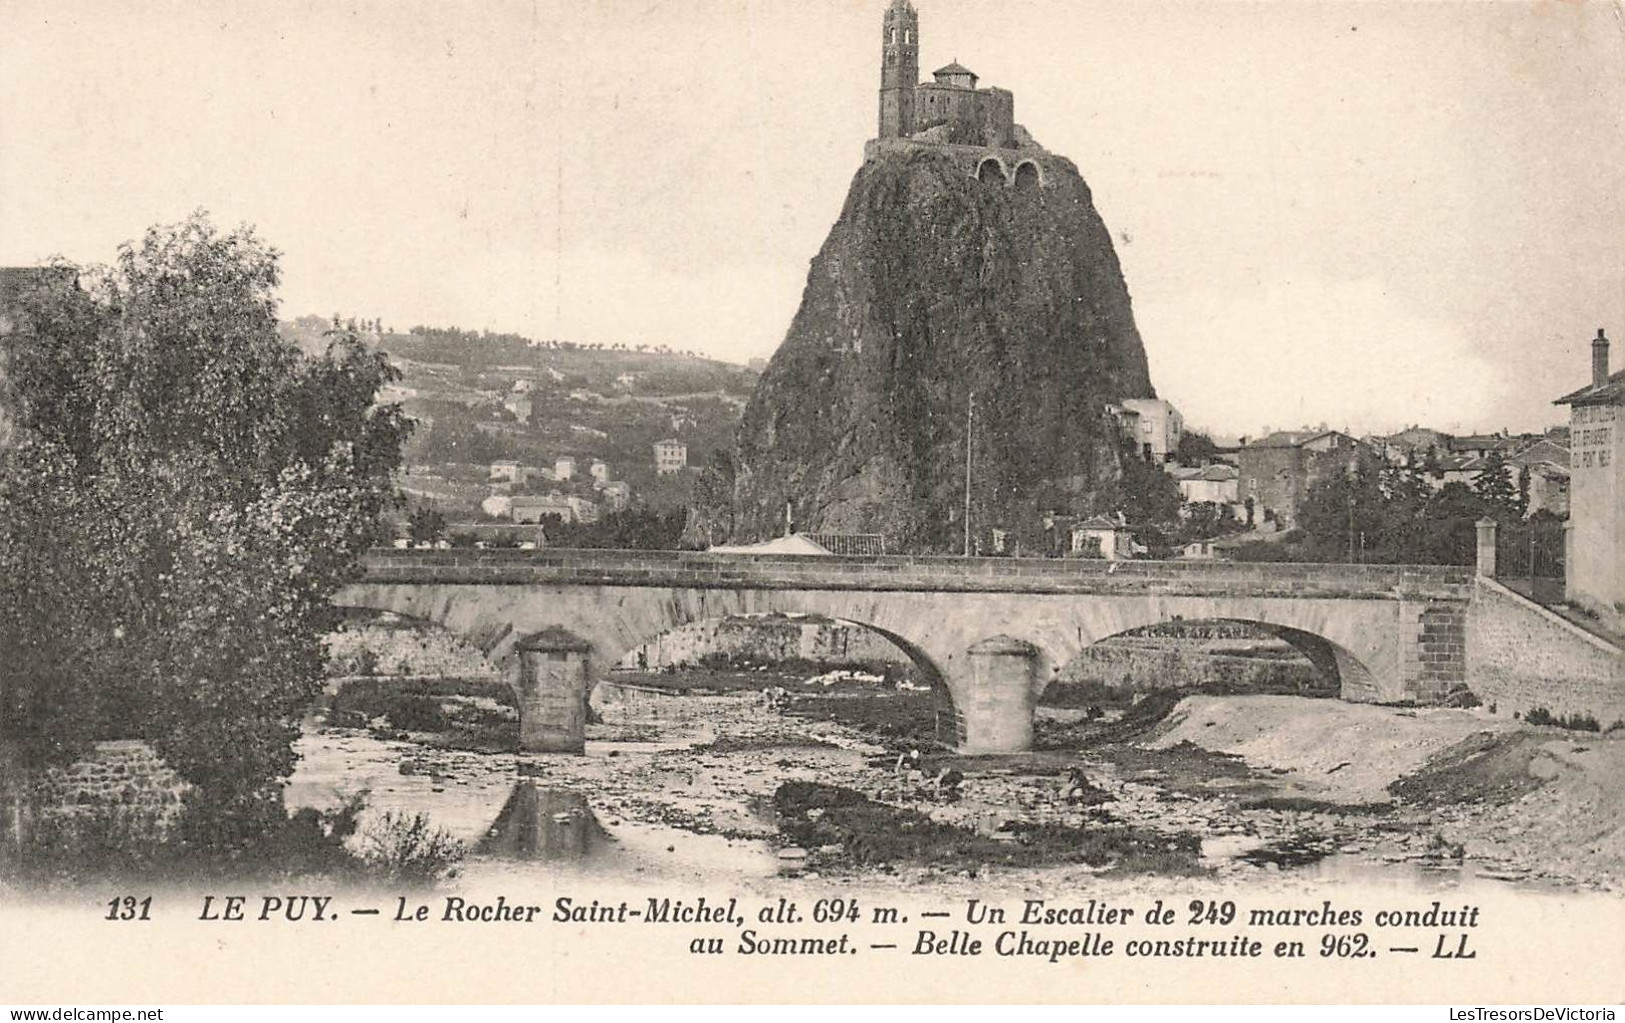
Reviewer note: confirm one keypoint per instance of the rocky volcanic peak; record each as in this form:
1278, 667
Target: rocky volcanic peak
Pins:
931, 285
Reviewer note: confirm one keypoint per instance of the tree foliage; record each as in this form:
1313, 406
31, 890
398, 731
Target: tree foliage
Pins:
1497, 488
642, 529
1195, 448
185, 493
1144, 493
1390, 515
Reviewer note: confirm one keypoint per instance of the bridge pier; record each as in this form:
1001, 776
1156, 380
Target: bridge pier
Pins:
994, 695
554, 676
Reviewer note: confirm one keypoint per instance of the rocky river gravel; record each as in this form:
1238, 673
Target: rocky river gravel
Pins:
1276, 790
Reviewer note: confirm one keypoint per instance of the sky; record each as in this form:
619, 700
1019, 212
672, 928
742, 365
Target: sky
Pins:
1361, 214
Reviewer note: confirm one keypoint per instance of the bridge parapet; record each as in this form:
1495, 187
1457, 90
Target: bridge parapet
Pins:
698, 570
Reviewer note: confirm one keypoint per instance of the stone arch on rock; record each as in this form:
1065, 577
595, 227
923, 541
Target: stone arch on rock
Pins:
991, 170
1028, 175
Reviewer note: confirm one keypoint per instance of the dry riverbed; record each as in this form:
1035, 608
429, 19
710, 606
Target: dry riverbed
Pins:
709, 779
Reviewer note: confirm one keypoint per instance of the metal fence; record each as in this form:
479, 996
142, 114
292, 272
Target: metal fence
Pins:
1529, 559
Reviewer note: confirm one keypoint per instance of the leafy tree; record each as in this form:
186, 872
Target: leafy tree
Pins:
425, 525
1143, 493
632, 529
1205, 520
1497, 489
1388, 515
1195, 448
187, 491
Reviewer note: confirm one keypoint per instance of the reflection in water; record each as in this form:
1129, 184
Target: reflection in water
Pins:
538, 823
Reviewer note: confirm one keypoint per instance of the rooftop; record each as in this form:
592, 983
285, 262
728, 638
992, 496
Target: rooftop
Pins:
849, 544
1289, 438
1609, 392
1218, 472
1098, 522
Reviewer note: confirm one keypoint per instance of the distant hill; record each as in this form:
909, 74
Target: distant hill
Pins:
480, 397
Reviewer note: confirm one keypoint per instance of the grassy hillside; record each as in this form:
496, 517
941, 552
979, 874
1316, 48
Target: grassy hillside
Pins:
468, 391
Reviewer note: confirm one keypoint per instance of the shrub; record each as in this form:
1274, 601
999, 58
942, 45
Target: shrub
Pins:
313, 841
408, 849
1463, 697
1573, 722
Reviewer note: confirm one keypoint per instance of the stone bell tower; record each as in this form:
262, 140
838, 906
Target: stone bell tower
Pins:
899, 69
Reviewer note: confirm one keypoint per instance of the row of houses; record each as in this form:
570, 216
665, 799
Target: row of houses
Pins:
505, 474
564, 471
1274, 473
533, 508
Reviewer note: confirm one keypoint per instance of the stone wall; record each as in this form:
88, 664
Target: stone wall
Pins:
1436, 664
620, 703
118, 792
1521, 656
767, 639
911, 573
394, 648
1140, 664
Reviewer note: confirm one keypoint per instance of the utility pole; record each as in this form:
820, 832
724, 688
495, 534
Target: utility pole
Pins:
1532, 564
970, 418
1351, 520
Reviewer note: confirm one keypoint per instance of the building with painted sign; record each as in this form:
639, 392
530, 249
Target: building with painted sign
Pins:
1595, 559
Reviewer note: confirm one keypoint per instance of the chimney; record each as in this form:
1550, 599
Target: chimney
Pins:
1599, 359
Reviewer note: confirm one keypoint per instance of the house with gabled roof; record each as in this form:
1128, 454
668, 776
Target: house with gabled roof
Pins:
1594, 574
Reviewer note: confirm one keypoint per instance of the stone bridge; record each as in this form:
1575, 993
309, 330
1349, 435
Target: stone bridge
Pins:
994, 631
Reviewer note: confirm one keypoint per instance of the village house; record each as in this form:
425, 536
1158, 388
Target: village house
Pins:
1100, 537
671, 456
538, 507
1548, 489
1212, 484
1411, 443
1547, 464
1595, 544
582, 510
1447, 469
505, 471
1478, 445
1199, 550
617, 495
519, 405
1154, 425
599, 471
564, 468
1277, 470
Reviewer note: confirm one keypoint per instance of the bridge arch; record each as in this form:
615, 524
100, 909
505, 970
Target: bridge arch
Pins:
900, 649
991, 170
1354, 651
1393, 632
1339, 669
1028, 175
371, 641
616, 622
